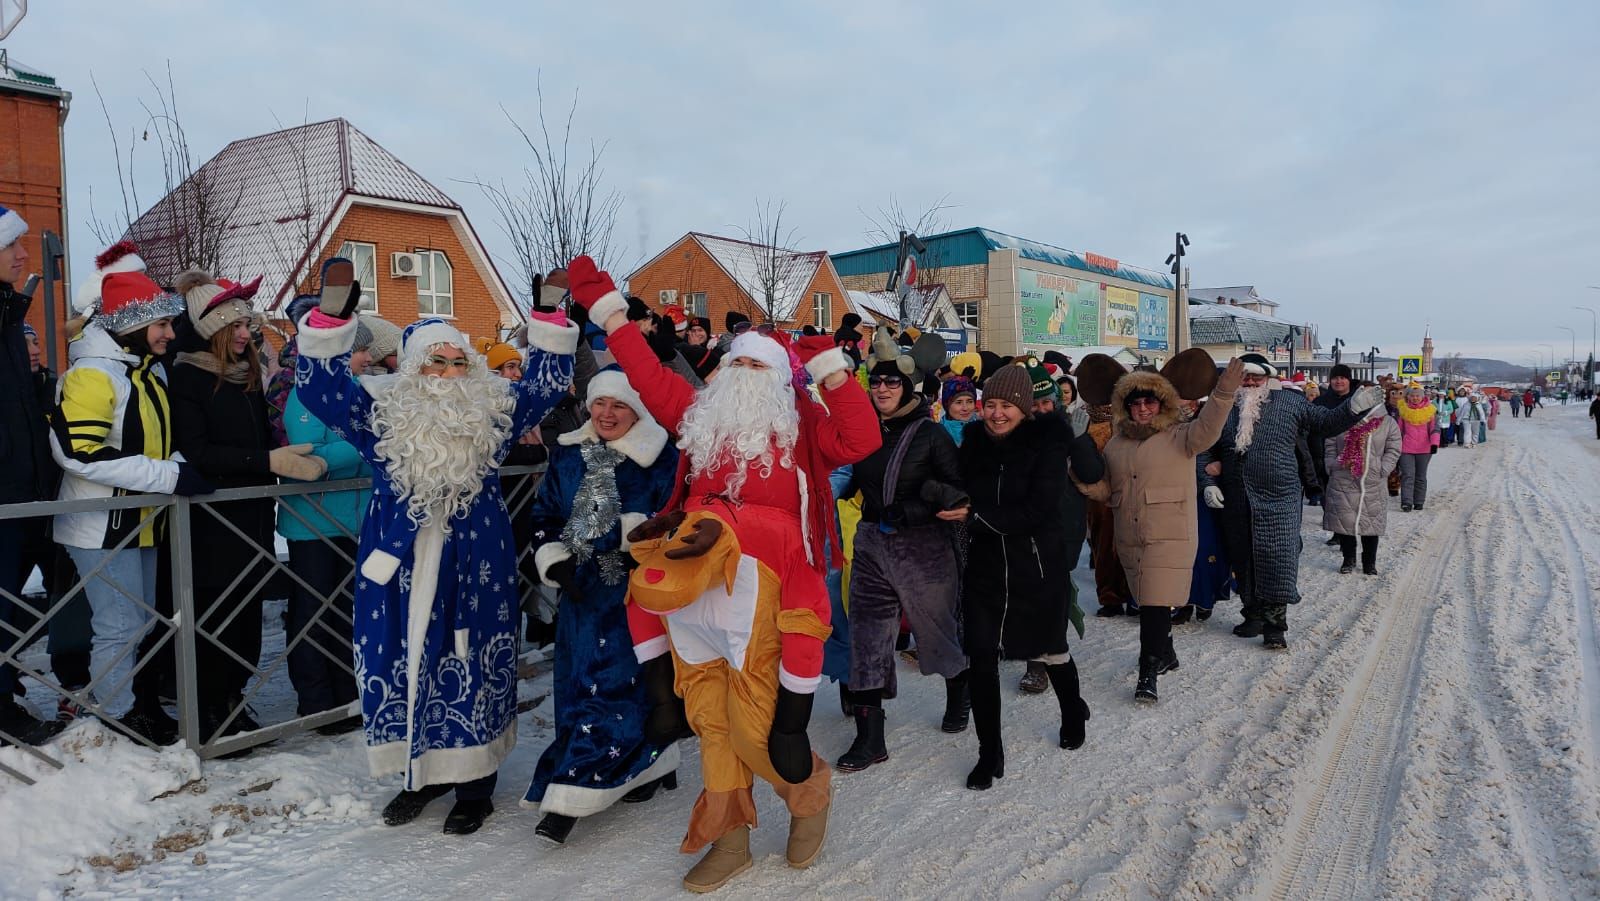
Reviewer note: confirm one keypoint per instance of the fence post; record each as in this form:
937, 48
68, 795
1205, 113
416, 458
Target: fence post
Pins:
183, 608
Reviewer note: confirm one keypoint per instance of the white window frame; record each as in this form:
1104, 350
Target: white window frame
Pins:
432, 293
369, 282
966, 310
822, 310
695, 304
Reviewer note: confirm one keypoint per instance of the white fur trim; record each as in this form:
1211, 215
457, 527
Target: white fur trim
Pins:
651, 649
642, 444
1056, 659
426, 554
1255, 369
614, 384
800, 685
756, 346
608, 305
380, 566
88, 293
12, 227
324, 343
431, 335
549, 555
581, 801
628, 523
442, 766
827, 363
556, 339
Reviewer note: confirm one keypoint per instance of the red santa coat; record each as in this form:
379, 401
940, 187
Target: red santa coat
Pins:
782, 520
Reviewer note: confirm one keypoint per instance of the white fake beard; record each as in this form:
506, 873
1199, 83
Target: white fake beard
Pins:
743, 416
1250, 401
438, 438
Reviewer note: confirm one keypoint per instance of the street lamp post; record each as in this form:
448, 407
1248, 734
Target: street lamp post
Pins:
1594, 328
1552, 349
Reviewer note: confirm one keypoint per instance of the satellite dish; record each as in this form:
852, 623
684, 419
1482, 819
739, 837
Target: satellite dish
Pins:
11, 12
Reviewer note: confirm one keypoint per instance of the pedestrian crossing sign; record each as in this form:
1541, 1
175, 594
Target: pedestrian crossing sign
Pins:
1411, 366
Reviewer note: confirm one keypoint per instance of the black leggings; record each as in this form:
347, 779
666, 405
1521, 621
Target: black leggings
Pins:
1369, 548
984, 686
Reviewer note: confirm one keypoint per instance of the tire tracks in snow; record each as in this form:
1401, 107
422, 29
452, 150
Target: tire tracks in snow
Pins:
1335, 819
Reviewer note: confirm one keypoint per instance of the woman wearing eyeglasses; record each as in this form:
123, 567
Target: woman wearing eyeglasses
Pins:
904, 558
1150, 488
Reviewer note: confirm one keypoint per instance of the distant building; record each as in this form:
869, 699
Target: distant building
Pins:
711, 276
1226, 322
1025, 296
285, 201
33, 118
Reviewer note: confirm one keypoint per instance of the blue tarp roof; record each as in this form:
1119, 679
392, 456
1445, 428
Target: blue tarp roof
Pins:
970, 246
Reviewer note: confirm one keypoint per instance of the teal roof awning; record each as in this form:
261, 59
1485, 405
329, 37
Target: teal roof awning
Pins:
971, 246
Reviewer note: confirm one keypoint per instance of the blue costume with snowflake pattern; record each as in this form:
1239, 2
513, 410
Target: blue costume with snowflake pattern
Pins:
435, 612
598, 753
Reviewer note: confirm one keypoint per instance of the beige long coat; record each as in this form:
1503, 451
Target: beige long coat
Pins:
1150, 488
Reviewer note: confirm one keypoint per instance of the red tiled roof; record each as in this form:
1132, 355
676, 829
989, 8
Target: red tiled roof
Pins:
278, 192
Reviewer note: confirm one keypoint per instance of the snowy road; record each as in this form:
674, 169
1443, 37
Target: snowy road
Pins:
1433, 732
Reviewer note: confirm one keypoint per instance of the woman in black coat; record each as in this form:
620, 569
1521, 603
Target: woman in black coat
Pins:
1015, 598
905, 559
219, 424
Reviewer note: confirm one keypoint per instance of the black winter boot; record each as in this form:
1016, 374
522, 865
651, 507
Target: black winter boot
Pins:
1168, 659
1149, 668
1074, 712
985, 688
957, 705
868, 748
1250, 628
555, 827
407, 805
1348, 566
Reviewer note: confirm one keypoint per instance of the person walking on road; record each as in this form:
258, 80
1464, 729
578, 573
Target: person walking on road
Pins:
1516, 405
1594, 413
1357, 504
1419, 441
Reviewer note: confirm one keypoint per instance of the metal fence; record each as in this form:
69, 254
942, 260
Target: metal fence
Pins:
189, 627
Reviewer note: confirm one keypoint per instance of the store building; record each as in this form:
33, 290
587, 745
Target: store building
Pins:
1025, 296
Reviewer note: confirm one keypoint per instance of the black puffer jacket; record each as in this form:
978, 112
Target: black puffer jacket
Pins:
223, 430
27, 472
1018, 563
930, 474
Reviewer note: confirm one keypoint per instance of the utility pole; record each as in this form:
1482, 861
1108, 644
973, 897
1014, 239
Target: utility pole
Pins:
1588, 375
1180, 241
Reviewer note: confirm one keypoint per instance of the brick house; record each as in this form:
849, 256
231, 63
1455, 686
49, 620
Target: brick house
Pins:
711, 276
33, 115
294, 197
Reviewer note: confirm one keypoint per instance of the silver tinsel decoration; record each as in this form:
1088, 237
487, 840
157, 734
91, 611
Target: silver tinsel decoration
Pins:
596, 509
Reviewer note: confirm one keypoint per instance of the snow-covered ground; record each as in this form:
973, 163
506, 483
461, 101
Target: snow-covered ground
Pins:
1433, 732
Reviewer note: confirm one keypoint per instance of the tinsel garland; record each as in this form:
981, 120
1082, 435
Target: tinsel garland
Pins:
596, 509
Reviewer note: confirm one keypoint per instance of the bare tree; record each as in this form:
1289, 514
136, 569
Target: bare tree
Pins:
561, 207
888, 221
190, 228
777, 266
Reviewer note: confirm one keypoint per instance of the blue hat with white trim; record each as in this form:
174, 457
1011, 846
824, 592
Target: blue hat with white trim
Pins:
12, 227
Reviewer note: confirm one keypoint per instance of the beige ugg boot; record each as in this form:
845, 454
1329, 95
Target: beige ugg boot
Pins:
806, 835
727, 857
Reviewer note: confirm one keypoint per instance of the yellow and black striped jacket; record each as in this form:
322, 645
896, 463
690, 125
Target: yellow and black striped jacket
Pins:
112, 434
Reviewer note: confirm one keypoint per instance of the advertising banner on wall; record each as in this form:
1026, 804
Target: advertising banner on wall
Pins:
1058, 310
1122, 317
1153, 322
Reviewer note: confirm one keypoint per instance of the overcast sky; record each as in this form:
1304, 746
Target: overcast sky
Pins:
1376, 167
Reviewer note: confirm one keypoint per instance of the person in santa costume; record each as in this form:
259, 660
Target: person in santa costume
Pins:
757, 451
436, 587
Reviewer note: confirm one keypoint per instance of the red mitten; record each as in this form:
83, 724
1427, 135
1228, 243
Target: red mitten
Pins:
588, 283
808, 348
821, 357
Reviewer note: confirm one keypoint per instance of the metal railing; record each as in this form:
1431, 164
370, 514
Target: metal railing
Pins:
186, 630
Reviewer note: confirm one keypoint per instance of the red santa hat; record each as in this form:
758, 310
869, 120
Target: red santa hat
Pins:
129, 301
122, 256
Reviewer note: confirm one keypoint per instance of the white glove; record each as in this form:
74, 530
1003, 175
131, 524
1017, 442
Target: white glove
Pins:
296, 462
1080, 421
1213, 496
1366, 398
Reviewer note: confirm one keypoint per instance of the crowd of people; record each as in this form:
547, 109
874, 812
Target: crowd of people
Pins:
723, 524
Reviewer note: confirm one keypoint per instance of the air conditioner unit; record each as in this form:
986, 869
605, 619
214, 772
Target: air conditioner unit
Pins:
405, 265
669, 297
